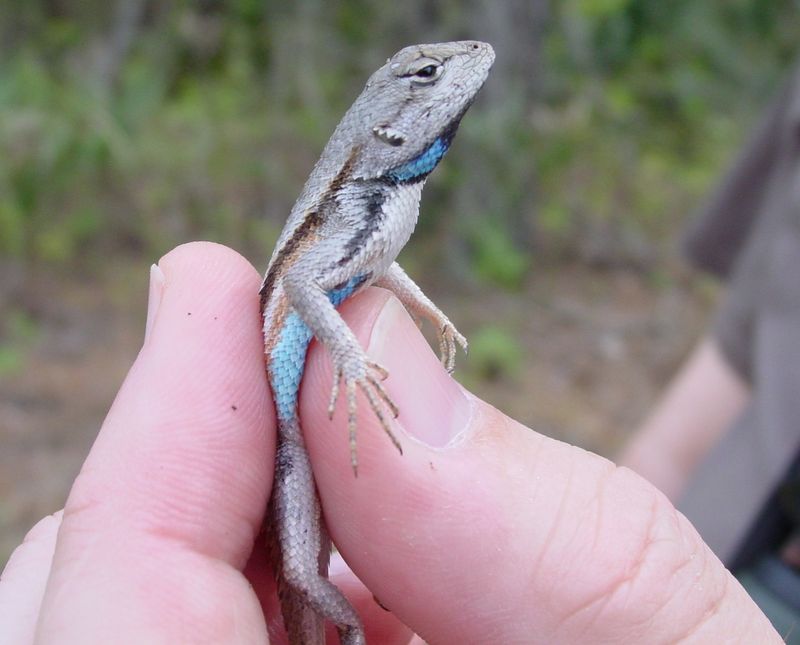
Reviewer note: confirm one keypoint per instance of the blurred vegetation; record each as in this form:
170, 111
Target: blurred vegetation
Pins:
494, 354
19, 331
133, 125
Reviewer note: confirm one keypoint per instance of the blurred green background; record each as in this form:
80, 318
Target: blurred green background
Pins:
548, 234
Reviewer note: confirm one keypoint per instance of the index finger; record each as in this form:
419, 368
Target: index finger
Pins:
164, 513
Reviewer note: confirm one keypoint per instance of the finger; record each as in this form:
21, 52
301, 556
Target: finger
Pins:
164, 513
380, 625
23, 582
484, 531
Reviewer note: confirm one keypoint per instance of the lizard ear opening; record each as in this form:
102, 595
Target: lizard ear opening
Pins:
388, 134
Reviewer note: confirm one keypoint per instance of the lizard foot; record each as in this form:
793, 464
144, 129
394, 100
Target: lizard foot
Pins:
369, 382
448, 337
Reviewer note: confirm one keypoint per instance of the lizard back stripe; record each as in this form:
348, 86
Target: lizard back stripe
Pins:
278, 314
310, 224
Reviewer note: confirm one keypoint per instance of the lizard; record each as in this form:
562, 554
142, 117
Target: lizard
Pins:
355, 213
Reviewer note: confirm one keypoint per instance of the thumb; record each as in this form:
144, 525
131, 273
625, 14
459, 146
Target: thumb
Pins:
485, 531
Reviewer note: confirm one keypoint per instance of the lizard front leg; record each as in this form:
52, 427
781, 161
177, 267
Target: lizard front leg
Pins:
397, 281
315, 300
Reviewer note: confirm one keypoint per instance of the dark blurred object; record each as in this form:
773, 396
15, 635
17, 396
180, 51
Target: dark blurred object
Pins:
750, 233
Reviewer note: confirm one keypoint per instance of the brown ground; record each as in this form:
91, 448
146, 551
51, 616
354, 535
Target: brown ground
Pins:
595, 349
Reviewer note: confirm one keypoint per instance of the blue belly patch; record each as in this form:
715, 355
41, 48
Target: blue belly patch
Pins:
288, 358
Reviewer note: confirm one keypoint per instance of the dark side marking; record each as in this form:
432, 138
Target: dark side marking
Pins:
307, 227
342, 292
352, 284
373, 204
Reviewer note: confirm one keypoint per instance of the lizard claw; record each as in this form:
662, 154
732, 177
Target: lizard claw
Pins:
374, 392
382, 372
448, 337
337, 375
384, 396
370, 385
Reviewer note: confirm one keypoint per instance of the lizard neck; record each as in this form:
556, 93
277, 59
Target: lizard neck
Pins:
419, 167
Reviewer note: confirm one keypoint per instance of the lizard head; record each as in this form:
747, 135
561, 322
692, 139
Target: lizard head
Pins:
410, 109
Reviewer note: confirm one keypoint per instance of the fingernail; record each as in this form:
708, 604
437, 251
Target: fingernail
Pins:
153, 298
433, 407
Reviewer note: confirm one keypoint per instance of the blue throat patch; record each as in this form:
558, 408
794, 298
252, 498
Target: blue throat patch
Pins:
289, 354
421, 165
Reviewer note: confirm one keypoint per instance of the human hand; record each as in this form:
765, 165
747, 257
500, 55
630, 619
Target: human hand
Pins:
483, 531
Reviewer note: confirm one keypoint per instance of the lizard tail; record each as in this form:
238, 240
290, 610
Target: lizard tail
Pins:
303, 624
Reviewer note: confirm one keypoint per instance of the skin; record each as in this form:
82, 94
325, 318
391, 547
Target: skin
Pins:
155, 541
697, 409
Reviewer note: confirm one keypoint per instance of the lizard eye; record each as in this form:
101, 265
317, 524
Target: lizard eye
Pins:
427, 74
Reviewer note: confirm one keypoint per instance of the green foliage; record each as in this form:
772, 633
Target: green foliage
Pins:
494, 354
17, 333
178, 149
211, 122
644, 104
496, 259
